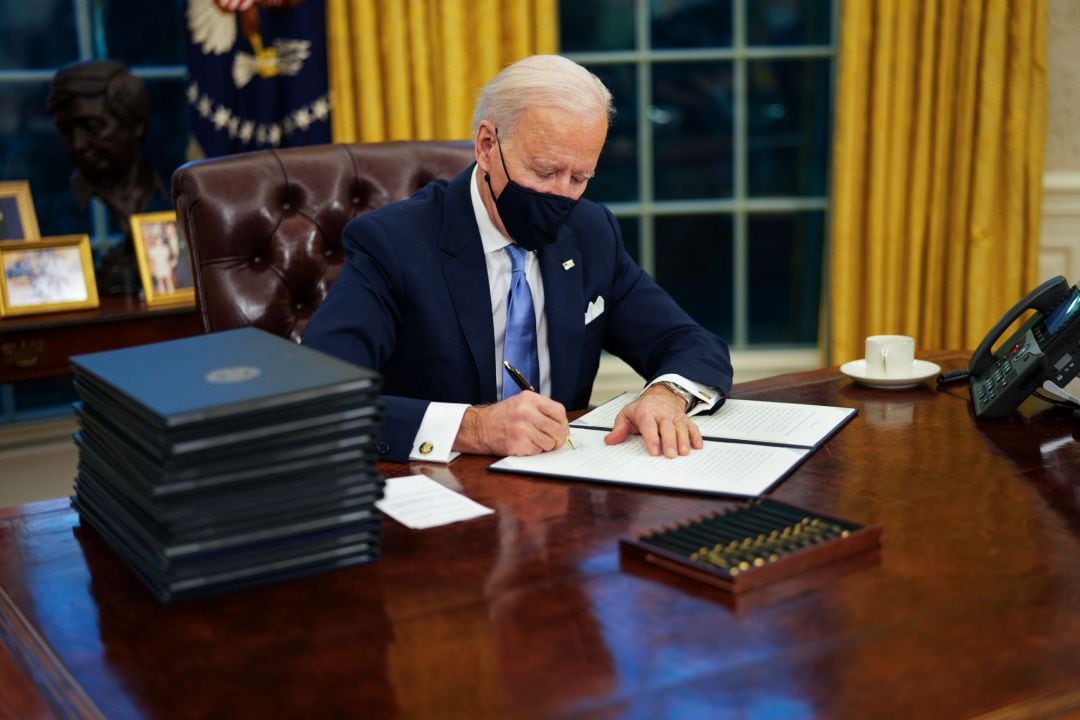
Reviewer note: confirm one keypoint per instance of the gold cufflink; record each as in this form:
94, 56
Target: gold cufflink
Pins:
426, 448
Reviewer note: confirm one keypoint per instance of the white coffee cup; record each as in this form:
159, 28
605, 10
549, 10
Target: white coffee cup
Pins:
890, 356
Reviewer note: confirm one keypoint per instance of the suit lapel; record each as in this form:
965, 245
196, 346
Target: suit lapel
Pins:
466, 277
564, 303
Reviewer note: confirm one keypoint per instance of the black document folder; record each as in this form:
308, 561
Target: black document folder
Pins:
228, 460
230, 376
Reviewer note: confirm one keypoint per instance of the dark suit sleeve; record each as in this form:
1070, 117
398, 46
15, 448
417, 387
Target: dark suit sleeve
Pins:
649, 330
358, 321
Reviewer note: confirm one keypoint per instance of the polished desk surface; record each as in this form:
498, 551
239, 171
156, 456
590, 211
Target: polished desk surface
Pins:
972, 606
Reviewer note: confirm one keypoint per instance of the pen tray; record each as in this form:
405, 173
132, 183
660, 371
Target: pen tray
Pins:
751, 545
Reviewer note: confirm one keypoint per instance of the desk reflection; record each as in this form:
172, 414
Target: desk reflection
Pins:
521, 634
331, 670
889, 415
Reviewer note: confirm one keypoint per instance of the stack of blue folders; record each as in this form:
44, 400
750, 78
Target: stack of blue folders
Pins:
227, 460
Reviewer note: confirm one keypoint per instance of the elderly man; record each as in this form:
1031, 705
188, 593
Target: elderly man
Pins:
507, 262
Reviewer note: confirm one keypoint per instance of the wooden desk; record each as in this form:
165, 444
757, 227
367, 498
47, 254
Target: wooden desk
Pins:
973, 606
33, 347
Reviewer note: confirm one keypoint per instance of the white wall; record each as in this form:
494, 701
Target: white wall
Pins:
1060, 239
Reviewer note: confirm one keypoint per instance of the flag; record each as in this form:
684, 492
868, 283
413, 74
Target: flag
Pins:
257, 74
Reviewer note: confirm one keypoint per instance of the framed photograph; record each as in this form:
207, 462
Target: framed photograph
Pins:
18, 221
164, 259
47, 275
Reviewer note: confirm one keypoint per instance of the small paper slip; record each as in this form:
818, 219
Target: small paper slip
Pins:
419, 502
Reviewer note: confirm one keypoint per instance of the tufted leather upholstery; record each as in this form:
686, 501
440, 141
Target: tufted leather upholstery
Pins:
264, 228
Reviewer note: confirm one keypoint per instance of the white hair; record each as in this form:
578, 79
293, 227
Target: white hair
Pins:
540, 81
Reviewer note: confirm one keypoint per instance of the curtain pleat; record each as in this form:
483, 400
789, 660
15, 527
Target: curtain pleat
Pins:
410, 69
937, 169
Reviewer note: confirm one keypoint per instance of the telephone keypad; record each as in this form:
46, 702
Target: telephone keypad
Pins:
1001, 374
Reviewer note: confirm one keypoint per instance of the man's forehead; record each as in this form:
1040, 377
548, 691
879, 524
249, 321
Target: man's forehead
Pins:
83, 106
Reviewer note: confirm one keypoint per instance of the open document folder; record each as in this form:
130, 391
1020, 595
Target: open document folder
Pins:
750, 445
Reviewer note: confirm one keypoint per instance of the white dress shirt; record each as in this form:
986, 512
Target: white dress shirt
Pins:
441, 422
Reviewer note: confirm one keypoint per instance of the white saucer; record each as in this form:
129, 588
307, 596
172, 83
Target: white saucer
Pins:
921, 371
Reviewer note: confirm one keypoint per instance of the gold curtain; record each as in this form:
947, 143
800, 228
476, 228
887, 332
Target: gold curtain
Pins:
937, 169
410, 69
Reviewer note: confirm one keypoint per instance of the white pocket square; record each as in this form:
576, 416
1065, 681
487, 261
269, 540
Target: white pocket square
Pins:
595, 309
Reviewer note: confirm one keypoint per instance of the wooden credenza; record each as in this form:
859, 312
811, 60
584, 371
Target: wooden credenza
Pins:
35, 347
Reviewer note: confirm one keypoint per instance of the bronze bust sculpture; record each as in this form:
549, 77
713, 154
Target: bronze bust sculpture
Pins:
102, 112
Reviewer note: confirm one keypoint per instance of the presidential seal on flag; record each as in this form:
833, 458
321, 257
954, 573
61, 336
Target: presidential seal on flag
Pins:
258, 74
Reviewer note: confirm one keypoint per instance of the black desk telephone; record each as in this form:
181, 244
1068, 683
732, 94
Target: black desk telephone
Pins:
1046, 347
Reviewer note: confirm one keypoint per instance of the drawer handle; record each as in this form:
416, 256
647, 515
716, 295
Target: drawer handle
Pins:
25, 353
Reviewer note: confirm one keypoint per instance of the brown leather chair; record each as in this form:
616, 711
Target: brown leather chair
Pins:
264, 228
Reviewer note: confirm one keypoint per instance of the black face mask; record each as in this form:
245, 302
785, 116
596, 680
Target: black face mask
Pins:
532, 218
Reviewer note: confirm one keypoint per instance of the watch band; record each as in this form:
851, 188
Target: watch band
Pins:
690, 399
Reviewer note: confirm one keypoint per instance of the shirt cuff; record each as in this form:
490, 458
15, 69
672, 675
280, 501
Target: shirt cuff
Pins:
707, 394
434, 440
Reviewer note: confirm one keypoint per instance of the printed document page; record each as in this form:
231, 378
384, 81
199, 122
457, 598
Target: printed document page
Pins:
419, 502
724, 468
756, 421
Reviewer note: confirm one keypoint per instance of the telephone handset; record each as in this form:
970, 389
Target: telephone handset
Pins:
1046, 347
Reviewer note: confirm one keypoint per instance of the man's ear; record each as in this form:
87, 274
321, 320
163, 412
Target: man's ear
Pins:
485, 145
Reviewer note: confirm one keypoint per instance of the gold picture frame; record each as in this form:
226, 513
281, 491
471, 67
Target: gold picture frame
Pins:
164, 259
51, 274
18, 221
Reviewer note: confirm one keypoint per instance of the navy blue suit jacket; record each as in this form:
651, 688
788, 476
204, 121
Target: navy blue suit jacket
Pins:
413, 302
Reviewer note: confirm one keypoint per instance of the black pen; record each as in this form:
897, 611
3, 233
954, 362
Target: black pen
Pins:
520, 380
523, 383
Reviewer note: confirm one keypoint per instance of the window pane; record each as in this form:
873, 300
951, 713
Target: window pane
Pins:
786, 262
33, 150
788, 22
36, 34
788, 141
596, 25
694, 264
165, 146
692, 130
137, 33
617, 171
691, 23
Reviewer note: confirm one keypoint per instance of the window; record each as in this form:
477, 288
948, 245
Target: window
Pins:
716, 163
42, 36
39, 38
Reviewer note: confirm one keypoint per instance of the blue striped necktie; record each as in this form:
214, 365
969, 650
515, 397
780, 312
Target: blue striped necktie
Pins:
519, 345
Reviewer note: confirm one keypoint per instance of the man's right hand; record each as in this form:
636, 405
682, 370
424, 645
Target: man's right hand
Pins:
524, 424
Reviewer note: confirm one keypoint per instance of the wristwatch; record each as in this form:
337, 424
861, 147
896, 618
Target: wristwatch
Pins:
688, 398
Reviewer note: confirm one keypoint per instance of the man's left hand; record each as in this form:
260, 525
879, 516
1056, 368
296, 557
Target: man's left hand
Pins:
659, 416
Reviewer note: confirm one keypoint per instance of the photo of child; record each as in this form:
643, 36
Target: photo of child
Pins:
164, 260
